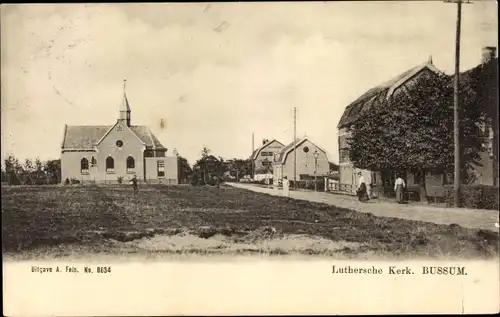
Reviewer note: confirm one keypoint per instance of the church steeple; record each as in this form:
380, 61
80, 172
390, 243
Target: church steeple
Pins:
124, 107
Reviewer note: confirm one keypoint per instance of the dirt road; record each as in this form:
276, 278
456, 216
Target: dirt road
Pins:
468, 218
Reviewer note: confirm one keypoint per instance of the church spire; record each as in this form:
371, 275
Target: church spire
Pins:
124, 107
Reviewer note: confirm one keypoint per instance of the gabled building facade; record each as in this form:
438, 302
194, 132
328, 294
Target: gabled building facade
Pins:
263, 157
115, 153
311, 160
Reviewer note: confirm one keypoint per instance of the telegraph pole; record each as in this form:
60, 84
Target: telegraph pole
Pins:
252, 158
456, 100
294, 147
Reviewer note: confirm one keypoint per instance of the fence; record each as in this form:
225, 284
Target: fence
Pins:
340, 188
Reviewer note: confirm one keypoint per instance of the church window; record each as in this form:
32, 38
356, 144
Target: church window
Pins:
119, 143
110, 165
161, 168
84, 166
130, 164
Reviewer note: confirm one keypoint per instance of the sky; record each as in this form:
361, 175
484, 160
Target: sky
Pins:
216, 73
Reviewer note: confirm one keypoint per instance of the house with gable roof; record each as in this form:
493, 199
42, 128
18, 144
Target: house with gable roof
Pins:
263, 157
311, 160
377, 96
108, 154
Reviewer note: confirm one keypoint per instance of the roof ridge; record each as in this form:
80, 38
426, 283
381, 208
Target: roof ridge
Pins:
64, 136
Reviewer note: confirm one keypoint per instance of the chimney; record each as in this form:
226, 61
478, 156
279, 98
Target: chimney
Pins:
489, 52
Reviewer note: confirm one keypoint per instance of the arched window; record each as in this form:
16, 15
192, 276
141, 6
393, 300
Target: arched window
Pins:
110, 164
84, 166
130, 164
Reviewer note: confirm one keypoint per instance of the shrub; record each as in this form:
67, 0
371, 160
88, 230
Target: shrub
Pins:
475, 196
75, 181
66, 182
120, 179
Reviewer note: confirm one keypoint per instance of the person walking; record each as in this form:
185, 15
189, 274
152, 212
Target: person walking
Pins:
399, 187
133, 181
361, 191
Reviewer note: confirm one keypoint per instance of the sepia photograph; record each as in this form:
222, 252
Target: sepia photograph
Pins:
359, 133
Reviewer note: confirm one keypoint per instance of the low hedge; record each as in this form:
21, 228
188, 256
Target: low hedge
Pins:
475, 196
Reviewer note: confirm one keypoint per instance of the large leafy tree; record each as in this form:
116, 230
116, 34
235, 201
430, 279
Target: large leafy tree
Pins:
185, 169
413, 130
208, 166
52, 170
13, 170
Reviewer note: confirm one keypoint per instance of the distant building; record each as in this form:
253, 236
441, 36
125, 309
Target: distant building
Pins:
119, 151
263, 157
307, 166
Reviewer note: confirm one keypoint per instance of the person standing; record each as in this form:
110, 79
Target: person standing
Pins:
361, 191
134, 184
369, 190
286, 187
399, 187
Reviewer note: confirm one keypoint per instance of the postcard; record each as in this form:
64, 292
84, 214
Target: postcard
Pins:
250, 158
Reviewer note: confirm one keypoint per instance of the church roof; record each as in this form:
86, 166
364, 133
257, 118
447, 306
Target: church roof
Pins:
85, 137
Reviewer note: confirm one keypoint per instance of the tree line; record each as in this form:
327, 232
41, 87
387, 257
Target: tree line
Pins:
31, 172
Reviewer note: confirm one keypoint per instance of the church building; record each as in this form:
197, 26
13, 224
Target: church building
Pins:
115, 153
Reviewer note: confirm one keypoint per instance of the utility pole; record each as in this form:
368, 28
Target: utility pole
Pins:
252, 158
294, 147
456, 109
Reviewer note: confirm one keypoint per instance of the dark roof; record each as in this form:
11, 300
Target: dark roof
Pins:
86, 137
256, 152
378, 94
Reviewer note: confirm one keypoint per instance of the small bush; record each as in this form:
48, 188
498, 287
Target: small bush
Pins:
66, 182
119, 179
75, 181
475, 196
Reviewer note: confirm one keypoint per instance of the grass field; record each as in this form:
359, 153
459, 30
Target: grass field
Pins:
209, 220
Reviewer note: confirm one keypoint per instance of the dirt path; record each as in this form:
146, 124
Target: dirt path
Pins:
469, 218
